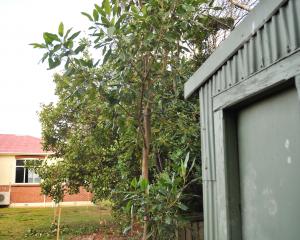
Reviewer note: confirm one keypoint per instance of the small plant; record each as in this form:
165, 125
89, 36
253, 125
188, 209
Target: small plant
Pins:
160, 203
64, 229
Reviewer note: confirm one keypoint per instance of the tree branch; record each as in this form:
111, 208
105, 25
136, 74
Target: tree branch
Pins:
240, 5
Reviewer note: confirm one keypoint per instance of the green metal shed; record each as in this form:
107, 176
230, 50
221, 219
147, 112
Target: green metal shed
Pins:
249, 91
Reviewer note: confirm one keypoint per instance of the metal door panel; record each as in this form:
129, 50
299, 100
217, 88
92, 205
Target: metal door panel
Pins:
269, 163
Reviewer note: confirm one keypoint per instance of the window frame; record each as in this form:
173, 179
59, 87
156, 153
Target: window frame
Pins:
27, 172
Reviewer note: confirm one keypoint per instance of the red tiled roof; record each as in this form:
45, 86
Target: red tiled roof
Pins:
10, 143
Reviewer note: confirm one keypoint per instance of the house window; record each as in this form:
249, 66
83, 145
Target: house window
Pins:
25, 175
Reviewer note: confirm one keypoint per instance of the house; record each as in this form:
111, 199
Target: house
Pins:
20, 186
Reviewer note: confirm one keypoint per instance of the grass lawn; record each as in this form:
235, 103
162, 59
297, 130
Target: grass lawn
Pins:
35, 223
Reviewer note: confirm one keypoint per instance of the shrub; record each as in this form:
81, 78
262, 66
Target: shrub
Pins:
160, 203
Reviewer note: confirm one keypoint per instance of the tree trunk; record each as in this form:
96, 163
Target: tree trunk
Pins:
58, 223
146, 145
146, 152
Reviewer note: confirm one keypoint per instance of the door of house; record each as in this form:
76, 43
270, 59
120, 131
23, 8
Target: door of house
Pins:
268, 134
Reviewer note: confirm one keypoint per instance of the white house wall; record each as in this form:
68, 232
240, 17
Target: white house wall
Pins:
7, 169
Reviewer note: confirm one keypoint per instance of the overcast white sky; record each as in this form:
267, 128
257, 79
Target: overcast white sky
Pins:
25, 84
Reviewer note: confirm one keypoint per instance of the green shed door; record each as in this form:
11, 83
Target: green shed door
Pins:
269, 162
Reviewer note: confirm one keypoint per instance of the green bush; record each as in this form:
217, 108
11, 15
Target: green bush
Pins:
161, 203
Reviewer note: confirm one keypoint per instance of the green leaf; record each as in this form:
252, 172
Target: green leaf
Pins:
74, 35
183, 165
134, 9
97, 40
104, 50
107, 55
107, 7
44, 57
96, 63
50, 37
80, 48
69, 71
188, 7
99, 45
38, 45
116, 8
168, 220
126, 230
100, 10
217, 8
105, 21
53, 63
134, 183
88, 16
67, 33
187, 157
68, 44
121, 18
144, 10
56, 47
67, 64
132, 211
182, 206
185, 49
61, 29
110, 31
144, 184
171, 37
96, 15
84, 63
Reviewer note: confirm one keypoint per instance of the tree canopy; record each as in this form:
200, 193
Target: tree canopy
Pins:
121, 111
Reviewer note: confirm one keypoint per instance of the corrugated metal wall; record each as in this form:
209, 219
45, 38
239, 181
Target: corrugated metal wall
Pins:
276, 39
208, 162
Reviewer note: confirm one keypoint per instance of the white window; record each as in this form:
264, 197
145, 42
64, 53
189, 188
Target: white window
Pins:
25, 175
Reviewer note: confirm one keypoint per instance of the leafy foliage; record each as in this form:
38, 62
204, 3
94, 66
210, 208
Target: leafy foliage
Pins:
162, 201
126, 109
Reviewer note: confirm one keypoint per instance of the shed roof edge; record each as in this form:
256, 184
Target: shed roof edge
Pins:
256, 18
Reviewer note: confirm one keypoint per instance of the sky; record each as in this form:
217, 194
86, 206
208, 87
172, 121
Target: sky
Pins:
25, 83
